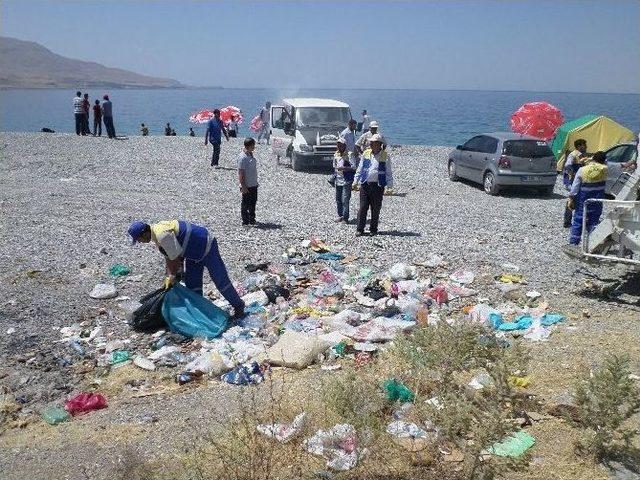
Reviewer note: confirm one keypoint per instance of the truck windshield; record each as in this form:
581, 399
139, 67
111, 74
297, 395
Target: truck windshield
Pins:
527, 149
323, 117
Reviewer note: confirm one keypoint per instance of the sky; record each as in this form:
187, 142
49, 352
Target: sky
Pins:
576, 46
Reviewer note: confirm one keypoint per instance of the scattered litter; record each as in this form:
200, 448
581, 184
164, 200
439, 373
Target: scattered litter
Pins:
481, 381
402, 271
119, 270
144, 363
462, 276
524, 322
533, 294
514, 446
331, 368
11, 330
511, 278
522, 382
85, 402
337, 445
187, 377
296, 350
245, 374
103, 291
397, 391
55, 415
284, 432
119, 356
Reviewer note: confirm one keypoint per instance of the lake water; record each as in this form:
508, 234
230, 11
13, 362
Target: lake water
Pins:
410, 117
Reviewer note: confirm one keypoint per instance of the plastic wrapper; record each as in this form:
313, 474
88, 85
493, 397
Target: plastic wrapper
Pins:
85, 402
284, 432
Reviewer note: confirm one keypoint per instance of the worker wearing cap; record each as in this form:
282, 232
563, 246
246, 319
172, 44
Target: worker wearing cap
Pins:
589, 183
365, 139
189, 247
374, 175
344, 163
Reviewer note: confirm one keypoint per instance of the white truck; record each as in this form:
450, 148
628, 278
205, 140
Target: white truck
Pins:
306, 130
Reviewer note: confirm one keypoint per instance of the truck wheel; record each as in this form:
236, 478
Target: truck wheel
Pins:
296, 163
489, 184
452, 171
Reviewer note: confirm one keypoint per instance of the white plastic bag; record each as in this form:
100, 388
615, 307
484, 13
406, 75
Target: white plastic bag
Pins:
283, 432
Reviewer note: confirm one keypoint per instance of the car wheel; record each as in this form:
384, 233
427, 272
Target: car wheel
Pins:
296, 164
452, 171
489, 184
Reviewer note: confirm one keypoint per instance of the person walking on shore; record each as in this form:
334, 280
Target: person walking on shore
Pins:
189, 248
364, 125
78, 112
365, 139
107, 116
374, 174
573, 162
349, 135
344, 169
97, 119
589, 182
86, 106
232, 127
265, 116
213, 134
248, 177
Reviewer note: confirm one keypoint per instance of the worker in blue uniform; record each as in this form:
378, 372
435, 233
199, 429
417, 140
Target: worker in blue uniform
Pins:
189, 248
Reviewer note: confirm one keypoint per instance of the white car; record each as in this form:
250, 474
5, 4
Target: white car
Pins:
306, 130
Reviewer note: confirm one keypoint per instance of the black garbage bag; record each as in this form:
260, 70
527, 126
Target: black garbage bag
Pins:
148, 317
275, 291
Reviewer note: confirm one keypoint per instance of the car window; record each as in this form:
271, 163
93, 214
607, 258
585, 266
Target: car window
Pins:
527, 149
489, 144
475, 144
620, 154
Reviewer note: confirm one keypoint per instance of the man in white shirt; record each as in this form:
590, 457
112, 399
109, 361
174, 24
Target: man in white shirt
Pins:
364, 126
374, 174
349, 135
365, 138
265, 117
78, 111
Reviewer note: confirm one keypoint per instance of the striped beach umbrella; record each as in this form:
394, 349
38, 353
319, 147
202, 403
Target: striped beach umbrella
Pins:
203, 116
227, 113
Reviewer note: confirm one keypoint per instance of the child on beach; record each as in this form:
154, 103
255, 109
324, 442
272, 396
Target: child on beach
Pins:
248, 177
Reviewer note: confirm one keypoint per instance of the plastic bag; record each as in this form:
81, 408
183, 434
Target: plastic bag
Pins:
283, 432
338, 446
148, 317
402, 271
397, 391
192, 315
248, 373
513, 446
119, 270
85, 402
55, 415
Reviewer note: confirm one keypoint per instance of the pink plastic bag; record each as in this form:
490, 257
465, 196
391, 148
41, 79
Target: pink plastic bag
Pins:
85, 402
439, 294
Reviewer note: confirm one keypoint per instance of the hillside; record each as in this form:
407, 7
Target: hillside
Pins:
31, 65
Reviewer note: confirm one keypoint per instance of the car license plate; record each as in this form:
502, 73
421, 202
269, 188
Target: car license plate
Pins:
530, 178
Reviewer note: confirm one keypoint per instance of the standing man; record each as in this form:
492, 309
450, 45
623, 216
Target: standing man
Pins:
78, 112
374, 175
144, 130
97, 119
344, 169
265, 118
190, 248
364, 125
215, 129
573, 162
167, 130
107, 116
86, 107
349, 135
248, 177
365, 139
589, 183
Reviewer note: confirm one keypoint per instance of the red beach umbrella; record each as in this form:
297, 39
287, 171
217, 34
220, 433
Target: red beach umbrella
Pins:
203, 116
538, 119
227, 113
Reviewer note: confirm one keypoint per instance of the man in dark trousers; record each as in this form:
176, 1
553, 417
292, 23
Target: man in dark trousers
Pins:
248, 177
86, 106
215, 130
97, 119
78, 112
107, 116
374, 175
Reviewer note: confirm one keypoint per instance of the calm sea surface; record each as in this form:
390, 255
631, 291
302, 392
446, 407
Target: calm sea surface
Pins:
413, 117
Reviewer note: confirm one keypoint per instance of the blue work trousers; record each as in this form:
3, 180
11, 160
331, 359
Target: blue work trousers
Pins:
217, 271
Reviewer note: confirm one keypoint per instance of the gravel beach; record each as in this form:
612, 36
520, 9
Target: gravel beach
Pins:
67, 201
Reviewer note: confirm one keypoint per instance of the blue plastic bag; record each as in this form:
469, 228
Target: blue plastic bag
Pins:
192, 315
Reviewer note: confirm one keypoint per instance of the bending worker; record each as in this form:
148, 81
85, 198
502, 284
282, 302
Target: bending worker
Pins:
190, 248
588, 183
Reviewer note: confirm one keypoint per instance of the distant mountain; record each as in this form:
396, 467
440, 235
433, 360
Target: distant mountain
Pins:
30, 65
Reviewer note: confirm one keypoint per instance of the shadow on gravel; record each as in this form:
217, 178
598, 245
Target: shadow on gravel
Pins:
515, 192
399, 233
268, 226
623, 290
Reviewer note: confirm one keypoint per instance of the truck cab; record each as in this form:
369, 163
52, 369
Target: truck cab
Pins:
306, 130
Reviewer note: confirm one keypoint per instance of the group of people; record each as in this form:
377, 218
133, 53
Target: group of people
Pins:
366, 163
585, 177
101, 113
